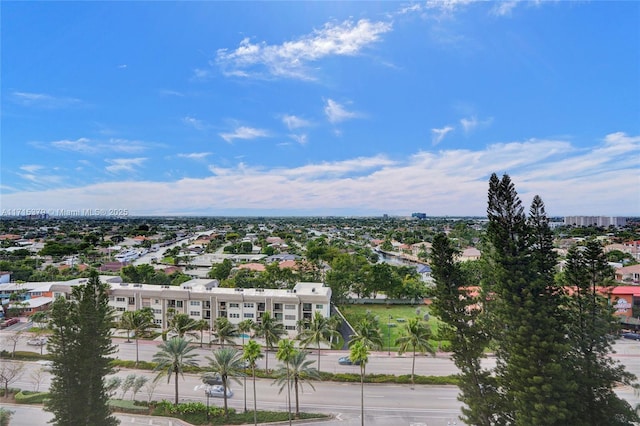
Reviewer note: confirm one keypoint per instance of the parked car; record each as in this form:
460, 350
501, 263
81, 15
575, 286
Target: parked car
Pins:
630, 335
212, 379
37, 341
9, 322
46, 365
345, 360
217, 391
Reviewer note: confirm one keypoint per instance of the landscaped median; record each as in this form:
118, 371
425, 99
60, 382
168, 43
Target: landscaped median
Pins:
194, 413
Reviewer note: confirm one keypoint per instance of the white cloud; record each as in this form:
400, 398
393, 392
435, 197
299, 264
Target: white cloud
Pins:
447, 6
439, 134
118, 165
471, 123
201, 74
293, 122
301, 139
168, 92
90, 146
244, 132
43, 100
193, 122
31, 168
291, 58
599, 180
195, 155
503, 8
337, 113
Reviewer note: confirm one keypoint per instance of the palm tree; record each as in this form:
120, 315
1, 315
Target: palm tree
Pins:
224, 330
244, 327
319, 329
252, 352
285, 352
182, 324
125, 323
416, 336
174, 355
139, 322
359, 354
299, 371
227, 363
271, 330
201, 326
367, 332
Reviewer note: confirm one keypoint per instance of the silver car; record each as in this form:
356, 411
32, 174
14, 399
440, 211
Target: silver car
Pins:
217, 391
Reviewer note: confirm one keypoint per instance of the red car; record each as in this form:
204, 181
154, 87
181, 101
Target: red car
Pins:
10, 322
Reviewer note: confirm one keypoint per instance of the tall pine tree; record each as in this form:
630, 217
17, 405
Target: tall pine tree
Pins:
591, 327
79, 348
457, 304
527, 312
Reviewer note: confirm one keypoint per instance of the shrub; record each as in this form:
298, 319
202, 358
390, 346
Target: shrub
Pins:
26, 397
12, 391
127, 406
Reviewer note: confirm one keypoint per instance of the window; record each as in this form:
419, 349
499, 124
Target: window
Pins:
234, 315
248, 315
319, 306
248, 305
194, 313
290, 317
120, 309
178, 303
194, 303
277, 306
306, 306
119, 299
157, 311
132, 300
289, 327
289, 307
234, 305
156, 301
157, 321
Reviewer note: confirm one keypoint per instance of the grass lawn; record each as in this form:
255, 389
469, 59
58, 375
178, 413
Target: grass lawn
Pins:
392, 319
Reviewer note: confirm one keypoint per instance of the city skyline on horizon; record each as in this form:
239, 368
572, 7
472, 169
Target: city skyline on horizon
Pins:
319, 109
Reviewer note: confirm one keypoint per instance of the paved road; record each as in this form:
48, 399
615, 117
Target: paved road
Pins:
384, 404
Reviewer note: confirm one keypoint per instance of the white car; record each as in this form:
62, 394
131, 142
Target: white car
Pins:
217, 391
37, 341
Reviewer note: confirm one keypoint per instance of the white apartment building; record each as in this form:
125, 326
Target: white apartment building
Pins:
604, 221
201, 299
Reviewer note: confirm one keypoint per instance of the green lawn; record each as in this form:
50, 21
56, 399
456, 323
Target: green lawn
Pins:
392, 319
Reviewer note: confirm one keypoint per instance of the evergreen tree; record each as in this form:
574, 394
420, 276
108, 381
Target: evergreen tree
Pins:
457, 305
531, 347
79, 349
592, 324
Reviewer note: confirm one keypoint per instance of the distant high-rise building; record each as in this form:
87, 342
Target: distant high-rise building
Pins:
419, 215
603, 221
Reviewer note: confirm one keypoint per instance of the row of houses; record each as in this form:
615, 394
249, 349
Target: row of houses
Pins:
197, 298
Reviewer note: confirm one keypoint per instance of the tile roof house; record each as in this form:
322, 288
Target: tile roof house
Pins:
628, 274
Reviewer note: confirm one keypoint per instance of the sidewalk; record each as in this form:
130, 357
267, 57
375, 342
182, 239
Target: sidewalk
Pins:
29, 415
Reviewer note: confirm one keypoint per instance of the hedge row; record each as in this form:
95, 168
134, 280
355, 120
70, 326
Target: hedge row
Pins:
27, 397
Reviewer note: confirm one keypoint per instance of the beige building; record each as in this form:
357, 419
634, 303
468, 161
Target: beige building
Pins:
202, 299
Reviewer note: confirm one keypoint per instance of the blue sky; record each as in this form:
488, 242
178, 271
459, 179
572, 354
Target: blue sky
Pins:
319, 108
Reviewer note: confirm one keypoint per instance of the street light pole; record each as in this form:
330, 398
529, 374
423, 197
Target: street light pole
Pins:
206, 391
389, 334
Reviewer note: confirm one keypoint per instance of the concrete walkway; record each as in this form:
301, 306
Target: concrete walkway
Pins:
29, 415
